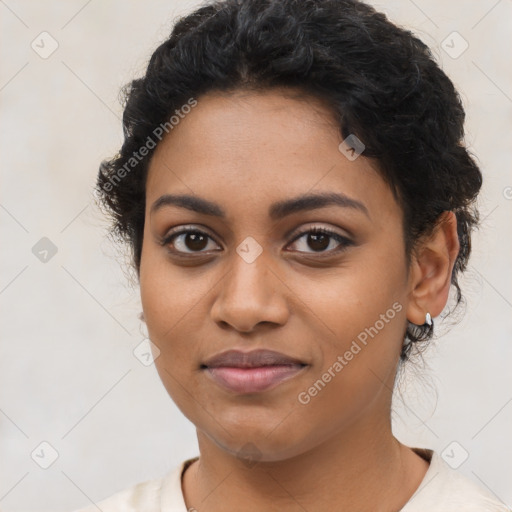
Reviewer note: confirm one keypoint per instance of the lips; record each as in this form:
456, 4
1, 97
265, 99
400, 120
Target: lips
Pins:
253, 359
252, 372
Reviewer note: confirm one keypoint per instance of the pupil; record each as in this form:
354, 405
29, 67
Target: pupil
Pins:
318, 241
195, 241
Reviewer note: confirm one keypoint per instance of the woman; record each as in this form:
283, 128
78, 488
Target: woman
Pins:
298, 199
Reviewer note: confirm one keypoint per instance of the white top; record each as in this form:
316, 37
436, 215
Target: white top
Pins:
441, 490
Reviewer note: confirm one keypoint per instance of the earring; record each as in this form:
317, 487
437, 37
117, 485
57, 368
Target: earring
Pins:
428, 319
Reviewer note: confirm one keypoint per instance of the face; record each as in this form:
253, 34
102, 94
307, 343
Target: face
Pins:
248, 271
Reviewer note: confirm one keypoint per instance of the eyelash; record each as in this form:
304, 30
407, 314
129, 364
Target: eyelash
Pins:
345, 242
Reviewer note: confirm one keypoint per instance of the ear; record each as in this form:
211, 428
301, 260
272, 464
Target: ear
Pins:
431, 270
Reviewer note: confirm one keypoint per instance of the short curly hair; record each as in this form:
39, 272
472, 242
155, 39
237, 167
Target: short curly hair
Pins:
380, 82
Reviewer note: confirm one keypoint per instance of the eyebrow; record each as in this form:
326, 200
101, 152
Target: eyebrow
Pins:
277, 210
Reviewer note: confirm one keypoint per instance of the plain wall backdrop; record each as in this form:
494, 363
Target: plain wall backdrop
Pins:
69, 326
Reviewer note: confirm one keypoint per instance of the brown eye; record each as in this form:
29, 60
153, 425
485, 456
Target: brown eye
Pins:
320, 239
187, 241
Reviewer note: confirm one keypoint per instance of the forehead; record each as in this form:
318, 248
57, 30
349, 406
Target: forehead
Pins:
248, 148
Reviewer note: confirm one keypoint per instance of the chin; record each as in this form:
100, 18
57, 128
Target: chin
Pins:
258, 441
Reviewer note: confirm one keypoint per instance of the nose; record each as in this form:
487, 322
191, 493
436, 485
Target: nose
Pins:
250, 294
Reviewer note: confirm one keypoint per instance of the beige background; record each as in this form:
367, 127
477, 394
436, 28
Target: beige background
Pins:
68, 375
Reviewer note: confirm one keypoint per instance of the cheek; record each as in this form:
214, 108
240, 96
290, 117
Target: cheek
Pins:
175, 302
169, 304
359, 361
360, 309
342, 303
170, 295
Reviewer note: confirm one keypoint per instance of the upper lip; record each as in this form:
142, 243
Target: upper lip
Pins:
252, 359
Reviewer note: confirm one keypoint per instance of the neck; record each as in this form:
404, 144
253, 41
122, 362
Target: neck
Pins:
362, 468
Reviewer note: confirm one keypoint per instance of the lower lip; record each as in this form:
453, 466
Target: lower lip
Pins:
253, 380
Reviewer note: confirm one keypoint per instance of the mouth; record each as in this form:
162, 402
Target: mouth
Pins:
252, 372
253, 380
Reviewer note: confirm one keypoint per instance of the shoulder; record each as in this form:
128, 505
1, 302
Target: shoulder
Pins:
446, 490
141, 496
150, 496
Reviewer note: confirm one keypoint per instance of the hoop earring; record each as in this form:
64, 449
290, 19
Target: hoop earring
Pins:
428, 319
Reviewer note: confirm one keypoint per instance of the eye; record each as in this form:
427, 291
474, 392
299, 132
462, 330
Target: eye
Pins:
320, 239
190, 240
187, 241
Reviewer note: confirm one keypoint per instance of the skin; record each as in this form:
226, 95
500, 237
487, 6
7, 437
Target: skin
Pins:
245, 151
